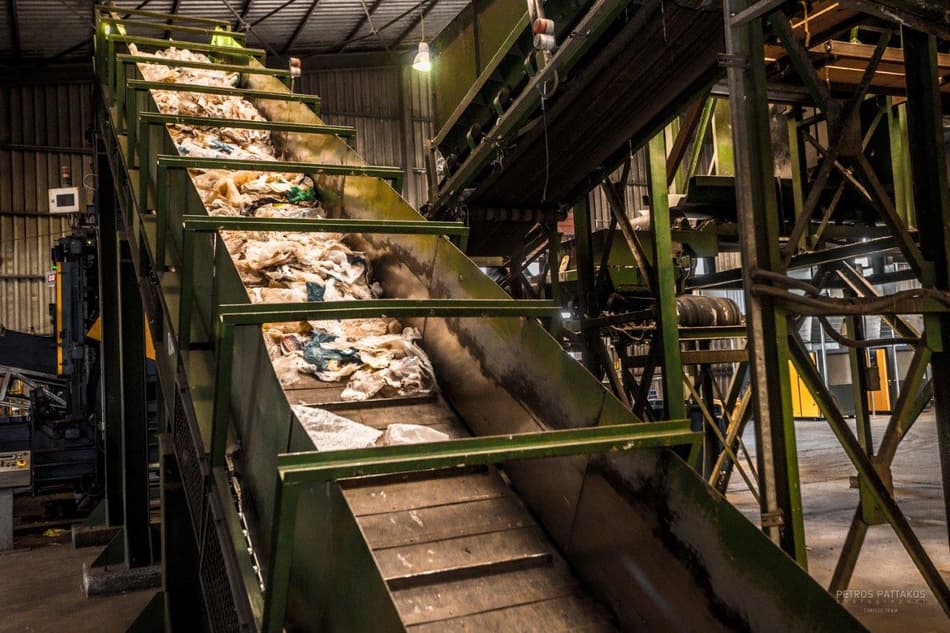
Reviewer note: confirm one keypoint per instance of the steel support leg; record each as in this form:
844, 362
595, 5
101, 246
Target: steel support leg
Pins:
932, 201
110, 377
586, 294
859, 385
138, 550
673, 402
179, 550
779, 486
875, 488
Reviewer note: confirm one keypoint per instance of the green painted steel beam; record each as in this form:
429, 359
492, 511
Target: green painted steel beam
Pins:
873, 486
106, 9
184, 162
170, 28
258, 313
711, 332
931, 194
587, 293
328, 225
703, 333
139, 84
708, 108
230, 51
297, 469
153, 118
673, 398
321, 466
839, 253
759, 233
184, 63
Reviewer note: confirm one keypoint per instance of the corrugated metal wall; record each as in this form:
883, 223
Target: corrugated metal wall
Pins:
637, 186
42, 127
389, 107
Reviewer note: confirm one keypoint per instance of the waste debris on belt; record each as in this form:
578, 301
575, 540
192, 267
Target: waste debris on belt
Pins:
376, 357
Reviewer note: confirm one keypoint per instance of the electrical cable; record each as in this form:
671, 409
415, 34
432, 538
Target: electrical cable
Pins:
547, 154
33, 237
545, 95
813, 299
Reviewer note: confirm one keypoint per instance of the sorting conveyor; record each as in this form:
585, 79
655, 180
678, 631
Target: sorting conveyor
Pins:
551, 508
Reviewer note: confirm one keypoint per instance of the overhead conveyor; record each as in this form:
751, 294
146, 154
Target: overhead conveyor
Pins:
551, 507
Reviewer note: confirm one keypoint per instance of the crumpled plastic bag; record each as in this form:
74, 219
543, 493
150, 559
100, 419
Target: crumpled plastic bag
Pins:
331, 432
375, 356
410, 434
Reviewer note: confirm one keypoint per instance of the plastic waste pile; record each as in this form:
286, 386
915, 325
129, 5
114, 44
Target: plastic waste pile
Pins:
377, 357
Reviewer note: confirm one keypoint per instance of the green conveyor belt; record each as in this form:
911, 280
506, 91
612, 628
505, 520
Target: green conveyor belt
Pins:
552, 507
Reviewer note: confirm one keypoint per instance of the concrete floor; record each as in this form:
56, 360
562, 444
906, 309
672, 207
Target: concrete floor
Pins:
40, 593
884, 566
39, 589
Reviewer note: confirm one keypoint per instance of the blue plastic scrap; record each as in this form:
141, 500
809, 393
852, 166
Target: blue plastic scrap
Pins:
315, 291
321, 357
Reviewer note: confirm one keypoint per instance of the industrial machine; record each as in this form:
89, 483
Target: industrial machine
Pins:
49, 394
50, 385
552, 506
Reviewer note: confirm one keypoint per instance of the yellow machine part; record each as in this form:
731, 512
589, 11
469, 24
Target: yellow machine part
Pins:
803, 404
59, 321
879, 400
95, 333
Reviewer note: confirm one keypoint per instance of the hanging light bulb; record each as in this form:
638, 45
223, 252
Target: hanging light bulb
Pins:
422, 61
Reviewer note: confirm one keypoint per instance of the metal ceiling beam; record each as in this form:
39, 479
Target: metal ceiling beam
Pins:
173, 11
299, 29
359, 25
249, 28
396, 19
270, 13
14, 29
412, 25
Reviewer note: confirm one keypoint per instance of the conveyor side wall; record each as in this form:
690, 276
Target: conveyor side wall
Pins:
507, 375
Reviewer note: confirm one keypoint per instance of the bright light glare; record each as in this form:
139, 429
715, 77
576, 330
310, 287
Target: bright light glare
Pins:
422, 61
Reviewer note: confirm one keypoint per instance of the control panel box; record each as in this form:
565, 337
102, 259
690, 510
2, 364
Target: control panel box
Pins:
15, 469
64, 200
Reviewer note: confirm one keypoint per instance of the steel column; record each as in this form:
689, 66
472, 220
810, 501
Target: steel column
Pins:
134, 428
665, 289
779, 485
109, 367
932, 202
859, 384
587, 295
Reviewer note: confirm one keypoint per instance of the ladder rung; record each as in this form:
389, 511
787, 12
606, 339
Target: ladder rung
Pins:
259, 313
246, 124
328, 225
195, 46
184, 162
171, 28
185, 63
140, 84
